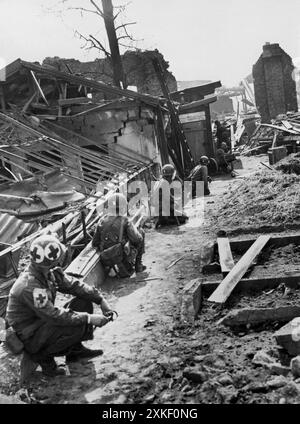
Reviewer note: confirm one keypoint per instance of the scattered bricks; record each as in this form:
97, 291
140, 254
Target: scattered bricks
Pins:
228, 394
288, 337
194, 374
263, 359
291, 390
255, 387
295, 366
225, 380
279, 369
277, 382
191, 301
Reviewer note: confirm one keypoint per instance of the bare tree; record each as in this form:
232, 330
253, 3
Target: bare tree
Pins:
116, 31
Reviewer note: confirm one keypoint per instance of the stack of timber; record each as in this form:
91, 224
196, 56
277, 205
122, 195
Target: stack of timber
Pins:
284, 131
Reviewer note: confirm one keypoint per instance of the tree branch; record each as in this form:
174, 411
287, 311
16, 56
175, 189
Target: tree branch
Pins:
82, 9
94, 43
100, 45
124, 25
100, 12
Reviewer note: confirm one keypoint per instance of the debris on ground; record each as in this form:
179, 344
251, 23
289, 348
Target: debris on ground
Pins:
264, 199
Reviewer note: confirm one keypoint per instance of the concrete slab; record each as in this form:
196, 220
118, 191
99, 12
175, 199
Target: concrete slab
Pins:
191, 301
288, 337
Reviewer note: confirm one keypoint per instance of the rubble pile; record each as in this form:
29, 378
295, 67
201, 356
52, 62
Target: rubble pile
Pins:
290, 165
267, 197
286, 128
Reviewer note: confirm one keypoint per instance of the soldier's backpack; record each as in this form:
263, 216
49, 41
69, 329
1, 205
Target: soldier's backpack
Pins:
114, 254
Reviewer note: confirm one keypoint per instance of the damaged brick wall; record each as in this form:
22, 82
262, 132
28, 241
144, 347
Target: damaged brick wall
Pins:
137, 66
274, 86
132, 128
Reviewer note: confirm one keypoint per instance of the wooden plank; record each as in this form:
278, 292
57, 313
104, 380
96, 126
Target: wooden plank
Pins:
254, 284
226, 259
191, 301
277, 127
278, 241
224, 290
39, 88
99, 86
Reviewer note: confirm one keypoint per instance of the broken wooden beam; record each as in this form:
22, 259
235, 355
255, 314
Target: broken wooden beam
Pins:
253, 316
254, 284
73, 101
278, 241
191, 301
225, 255
225, 288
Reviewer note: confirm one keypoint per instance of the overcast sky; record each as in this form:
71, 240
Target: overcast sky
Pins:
201, 39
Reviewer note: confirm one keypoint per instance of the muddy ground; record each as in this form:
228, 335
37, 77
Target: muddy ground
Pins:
147, 349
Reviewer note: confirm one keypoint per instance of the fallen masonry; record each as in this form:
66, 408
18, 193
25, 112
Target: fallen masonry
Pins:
254, 316
289, 337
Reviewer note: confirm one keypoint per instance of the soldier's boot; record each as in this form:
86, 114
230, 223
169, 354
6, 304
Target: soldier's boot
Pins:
79, 351
139, 267
50, 368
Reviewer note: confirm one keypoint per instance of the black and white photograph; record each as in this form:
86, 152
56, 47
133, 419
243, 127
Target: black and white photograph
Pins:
149, 206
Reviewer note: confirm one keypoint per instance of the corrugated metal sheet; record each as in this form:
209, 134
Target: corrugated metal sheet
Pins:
11, 228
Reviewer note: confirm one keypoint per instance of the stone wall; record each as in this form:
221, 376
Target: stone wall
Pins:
274, 86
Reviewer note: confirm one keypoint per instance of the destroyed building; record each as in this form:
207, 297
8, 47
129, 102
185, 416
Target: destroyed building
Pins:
137, 65
274, 85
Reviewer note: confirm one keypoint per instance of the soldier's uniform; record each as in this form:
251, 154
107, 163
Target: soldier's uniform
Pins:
199, 173
47, 330
165, 211
108, 234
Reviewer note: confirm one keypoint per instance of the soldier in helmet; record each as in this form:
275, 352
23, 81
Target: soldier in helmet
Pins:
200, 173
45, 329
165, 209
116, 228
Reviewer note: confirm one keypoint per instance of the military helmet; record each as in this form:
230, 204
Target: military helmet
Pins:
204, 160
168, 170
46, 251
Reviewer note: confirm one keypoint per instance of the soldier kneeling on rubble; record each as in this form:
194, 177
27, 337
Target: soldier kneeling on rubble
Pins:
164, 209
46, 330
120, 243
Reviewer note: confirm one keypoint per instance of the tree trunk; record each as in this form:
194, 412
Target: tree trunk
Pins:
118, 72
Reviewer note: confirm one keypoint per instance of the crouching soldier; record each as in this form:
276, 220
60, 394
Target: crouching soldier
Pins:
47, 330
200, 173
120, 243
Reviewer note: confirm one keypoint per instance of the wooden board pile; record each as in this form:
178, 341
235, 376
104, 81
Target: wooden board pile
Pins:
219, 292
284, 131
